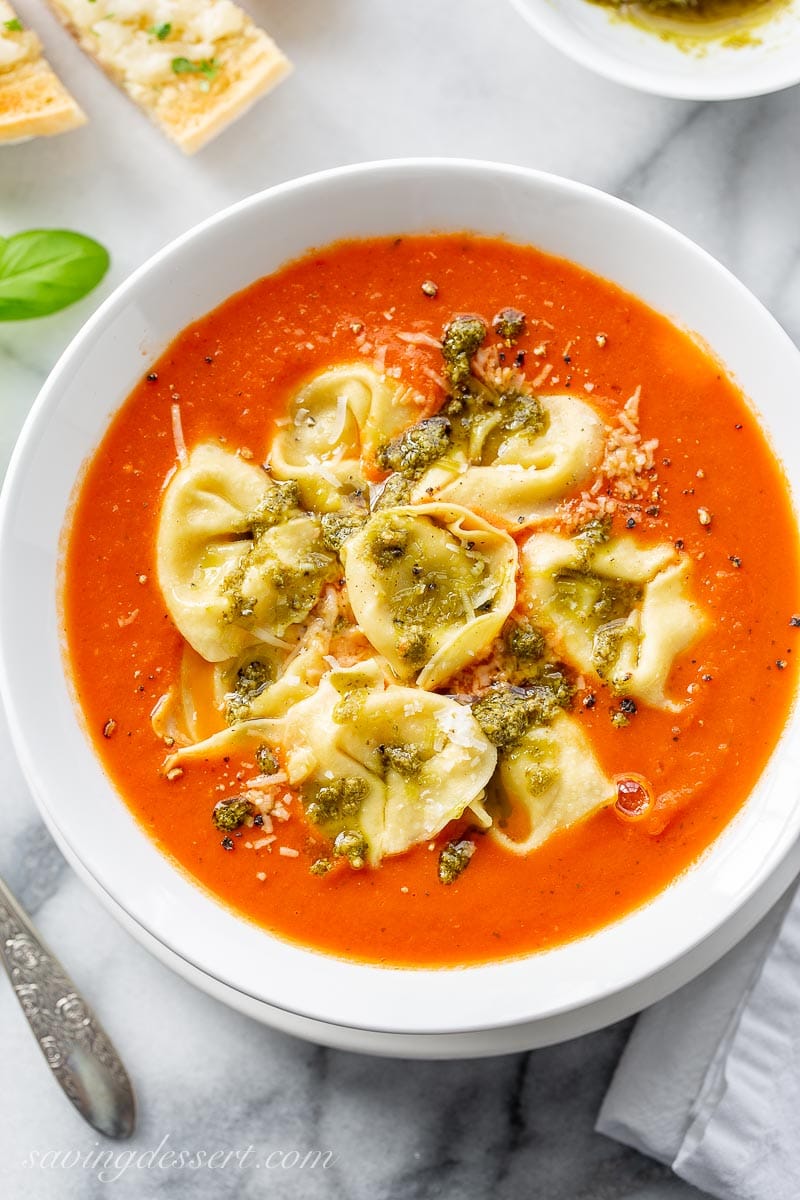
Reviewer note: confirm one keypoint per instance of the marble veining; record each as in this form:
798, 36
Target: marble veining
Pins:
374, 79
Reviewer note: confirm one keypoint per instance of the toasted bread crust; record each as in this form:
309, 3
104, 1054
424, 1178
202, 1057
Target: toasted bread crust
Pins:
33, 100
191, 109
265, 68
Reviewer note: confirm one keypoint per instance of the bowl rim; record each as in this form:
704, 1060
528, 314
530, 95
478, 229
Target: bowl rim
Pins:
540, 16
516, 973
472, 1043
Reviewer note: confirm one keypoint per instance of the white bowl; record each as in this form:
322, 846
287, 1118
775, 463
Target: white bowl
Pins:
504, 1005
597, 38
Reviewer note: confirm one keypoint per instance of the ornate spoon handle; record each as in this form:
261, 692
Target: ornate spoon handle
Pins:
74, 1043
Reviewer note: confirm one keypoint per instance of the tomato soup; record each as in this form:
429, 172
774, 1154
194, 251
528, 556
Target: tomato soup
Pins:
681, 471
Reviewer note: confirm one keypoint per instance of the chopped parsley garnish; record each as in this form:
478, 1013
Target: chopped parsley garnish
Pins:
207, 67
14, 25
161, 32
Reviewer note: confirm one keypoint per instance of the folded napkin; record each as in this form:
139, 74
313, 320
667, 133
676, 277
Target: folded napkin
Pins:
710, 1079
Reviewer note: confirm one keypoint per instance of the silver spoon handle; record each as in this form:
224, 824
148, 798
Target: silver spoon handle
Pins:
74, 1043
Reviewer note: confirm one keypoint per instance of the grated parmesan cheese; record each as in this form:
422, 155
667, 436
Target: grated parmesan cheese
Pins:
627, 469
270, 639
419, 339
264, 781
467, 604
435, 377
328, 475
181, 452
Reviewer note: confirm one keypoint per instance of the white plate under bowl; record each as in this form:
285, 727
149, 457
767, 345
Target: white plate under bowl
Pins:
475, 1043
597, 38
581, 984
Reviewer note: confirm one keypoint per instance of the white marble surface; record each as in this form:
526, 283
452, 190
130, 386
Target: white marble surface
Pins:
373, 79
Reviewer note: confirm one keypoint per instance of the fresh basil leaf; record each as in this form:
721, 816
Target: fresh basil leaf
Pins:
43, 270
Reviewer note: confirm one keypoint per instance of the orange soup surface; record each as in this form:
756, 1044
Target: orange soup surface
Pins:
713, 489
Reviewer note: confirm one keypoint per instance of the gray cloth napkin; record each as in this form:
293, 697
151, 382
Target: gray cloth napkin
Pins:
710, 1079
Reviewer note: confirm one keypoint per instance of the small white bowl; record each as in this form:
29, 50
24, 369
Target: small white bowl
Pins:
481, 1009
598, 38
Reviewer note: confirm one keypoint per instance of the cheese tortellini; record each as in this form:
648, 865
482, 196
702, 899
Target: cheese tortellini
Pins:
517, 475
619, 610
265, 681
188, 711
546, 781
330, 600
379, 767
431, 586
238, 561
424, 754
338, 417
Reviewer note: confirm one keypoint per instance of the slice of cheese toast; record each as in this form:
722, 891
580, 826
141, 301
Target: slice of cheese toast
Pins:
33, 100
192, 65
